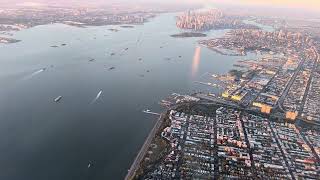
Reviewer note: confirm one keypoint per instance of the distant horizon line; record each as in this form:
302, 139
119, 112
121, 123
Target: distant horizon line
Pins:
245, 4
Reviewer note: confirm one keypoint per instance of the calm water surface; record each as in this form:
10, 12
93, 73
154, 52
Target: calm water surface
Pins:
41, 139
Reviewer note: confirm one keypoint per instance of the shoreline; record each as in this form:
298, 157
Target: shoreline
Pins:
143, 150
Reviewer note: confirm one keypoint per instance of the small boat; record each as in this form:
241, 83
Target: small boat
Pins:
99, 94
113, 30
126, 49
57, 99
111, 68
112, 54
89, 165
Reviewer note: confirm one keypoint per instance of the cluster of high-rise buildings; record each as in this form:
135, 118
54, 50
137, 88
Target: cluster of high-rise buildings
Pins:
199, 20
207, 20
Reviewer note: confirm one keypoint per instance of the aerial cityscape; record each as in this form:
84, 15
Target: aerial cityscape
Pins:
160, 89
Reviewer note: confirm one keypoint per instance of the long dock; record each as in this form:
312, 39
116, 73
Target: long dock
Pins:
209, 84
150, 112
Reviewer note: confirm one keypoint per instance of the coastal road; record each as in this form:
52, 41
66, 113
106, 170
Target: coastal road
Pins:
136, 164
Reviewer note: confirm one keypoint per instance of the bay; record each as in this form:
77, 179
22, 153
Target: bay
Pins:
42, 139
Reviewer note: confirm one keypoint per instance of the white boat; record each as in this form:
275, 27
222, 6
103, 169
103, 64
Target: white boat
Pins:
99, 94
57, 99
97, 97
89, 165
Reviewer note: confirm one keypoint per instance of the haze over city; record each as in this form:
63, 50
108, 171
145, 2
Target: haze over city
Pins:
309, 4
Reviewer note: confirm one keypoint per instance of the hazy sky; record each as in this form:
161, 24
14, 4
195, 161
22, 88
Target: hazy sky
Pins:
305, 4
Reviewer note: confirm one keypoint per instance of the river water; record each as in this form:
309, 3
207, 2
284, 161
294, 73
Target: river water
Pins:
42, 139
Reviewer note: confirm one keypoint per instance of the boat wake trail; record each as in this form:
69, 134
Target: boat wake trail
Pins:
96, 98
139, 40
34, 74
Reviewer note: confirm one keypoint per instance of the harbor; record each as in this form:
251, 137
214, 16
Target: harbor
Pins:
70, 73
